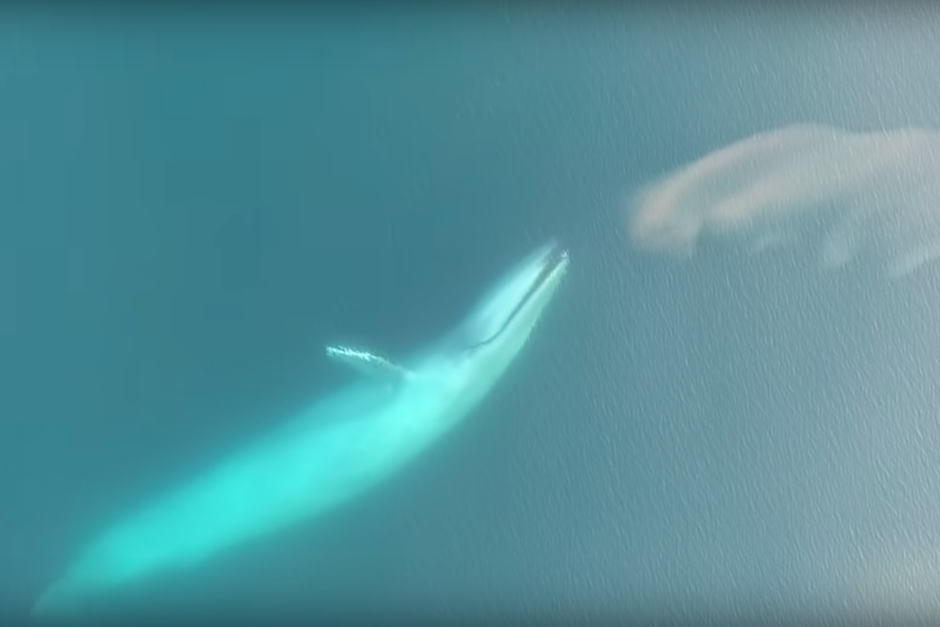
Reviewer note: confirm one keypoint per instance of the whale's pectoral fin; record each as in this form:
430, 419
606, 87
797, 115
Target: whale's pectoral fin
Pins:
366, 362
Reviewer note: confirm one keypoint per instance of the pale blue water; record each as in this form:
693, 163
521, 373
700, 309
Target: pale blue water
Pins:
190, 208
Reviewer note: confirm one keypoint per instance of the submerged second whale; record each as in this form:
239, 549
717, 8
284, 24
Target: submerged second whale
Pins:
343, 444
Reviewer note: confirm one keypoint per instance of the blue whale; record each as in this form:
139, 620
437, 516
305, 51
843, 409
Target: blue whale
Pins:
341, 445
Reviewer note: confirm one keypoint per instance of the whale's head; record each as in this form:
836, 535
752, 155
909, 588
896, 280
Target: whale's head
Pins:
498, 327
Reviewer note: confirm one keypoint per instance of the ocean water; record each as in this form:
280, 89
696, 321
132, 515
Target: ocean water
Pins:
192, 206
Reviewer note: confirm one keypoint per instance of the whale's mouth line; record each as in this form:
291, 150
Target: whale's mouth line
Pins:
553, 260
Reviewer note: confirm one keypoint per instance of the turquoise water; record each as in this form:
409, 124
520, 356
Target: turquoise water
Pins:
193, 208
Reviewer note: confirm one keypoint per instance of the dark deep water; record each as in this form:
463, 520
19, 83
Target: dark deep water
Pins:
193, 206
